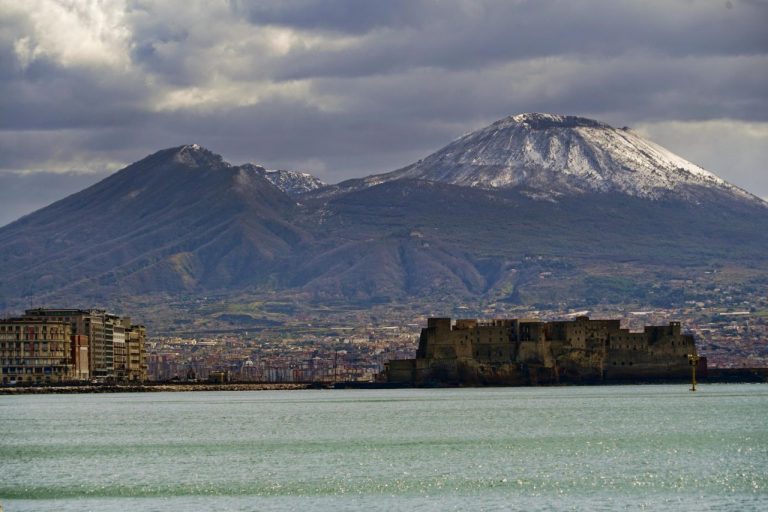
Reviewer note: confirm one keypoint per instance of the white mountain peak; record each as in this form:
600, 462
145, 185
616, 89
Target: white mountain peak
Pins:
548, 155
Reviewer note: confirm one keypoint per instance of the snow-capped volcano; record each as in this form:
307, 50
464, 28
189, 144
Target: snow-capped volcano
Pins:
547, 156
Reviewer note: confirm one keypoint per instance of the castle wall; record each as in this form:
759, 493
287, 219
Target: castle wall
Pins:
519, 352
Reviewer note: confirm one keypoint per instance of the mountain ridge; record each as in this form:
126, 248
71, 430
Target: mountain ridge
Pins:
184, 219
293, 183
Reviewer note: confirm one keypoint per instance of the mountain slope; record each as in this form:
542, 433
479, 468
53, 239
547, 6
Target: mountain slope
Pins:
497, 234
181, 218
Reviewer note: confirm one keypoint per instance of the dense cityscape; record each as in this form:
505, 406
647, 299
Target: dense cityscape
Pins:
729, 340
323, 346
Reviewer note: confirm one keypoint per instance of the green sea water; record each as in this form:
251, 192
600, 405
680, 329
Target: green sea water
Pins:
557, 448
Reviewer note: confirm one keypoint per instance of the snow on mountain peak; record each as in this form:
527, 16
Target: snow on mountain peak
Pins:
548, 155
538, 121
291, 182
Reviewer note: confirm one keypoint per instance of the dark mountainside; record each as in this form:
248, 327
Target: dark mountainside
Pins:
534, 208
179, 219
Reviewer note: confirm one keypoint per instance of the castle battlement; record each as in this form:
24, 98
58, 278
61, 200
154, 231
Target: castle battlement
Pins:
510, 351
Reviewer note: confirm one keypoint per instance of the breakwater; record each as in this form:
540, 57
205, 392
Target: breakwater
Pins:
712, 376
154, 388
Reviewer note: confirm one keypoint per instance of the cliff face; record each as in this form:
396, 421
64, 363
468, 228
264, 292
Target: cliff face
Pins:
515, 352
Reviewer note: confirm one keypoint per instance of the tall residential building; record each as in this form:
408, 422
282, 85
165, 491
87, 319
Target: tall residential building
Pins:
80, 357
119, 353
136, 355
108, 335
40, 351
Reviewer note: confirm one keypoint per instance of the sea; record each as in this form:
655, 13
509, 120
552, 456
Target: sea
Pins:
653, 447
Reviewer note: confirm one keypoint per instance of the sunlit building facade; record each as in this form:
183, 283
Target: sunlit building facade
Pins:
58, 345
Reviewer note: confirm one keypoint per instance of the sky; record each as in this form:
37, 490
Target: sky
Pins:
348, 88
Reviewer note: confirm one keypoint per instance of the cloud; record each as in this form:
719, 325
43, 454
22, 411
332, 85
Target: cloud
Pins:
462, 35
341, 16
346, 88
71, 33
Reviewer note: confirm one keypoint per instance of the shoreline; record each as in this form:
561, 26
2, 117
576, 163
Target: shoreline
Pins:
719, 376
152, 388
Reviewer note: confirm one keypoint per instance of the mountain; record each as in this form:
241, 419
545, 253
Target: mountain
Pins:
533, 209
547, 156
179, 219
292, 183
533, 194
502, 240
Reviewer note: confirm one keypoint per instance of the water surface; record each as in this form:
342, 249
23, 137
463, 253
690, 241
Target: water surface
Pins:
567, 448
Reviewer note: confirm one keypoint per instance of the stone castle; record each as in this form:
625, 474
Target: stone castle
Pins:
532, 352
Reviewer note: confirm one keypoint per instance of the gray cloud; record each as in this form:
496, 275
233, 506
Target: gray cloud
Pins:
481, 34
347, 16
344, 88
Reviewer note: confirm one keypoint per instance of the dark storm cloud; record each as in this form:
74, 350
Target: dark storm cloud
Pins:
472, 38
49, 97
344, 88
